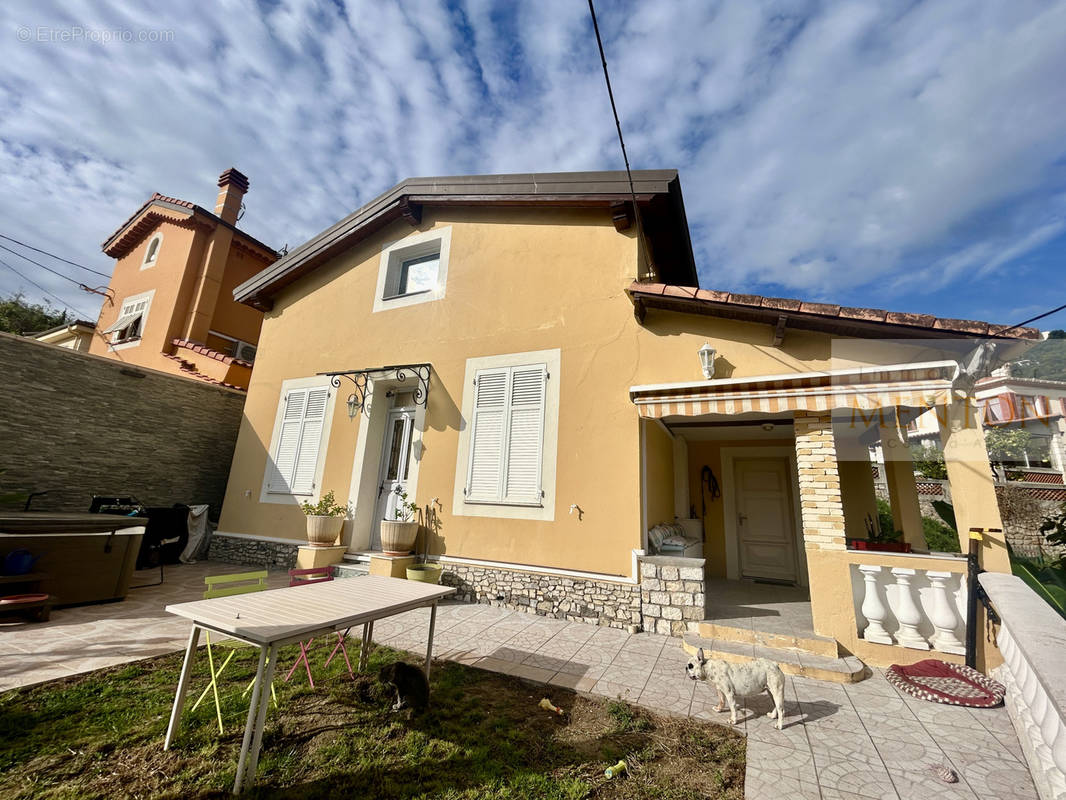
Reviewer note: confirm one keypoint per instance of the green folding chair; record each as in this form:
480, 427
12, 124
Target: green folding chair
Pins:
227, 586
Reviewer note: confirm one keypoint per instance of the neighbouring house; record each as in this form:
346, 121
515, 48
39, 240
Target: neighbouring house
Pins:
170, 304
534, 364
74, 335
1009, 402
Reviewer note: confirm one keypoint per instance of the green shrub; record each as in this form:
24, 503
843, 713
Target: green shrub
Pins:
939, 536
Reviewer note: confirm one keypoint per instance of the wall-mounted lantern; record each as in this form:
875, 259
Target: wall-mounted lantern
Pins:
707, 354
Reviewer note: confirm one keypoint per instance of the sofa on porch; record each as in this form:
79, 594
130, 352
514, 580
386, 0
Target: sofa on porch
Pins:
683, 537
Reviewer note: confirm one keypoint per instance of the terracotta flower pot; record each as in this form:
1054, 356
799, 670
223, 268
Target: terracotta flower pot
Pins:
322, 531
398, 538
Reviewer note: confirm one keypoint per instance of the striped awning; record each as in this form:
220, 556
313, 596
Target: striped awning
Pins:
868, 388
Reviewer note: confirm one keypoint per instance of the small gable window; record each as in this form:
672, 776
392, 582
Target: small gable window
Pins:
413, 270
151, 253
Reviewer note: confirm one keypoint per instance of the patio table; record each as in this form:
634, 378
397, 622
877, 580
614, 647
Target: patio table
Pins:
277, 617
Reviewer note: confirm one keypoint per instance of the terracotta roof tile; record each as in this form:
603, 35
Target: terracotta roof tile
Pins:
916, 320
825, 309
712, 296
204, 350
688, 292
876, 315
871, 314
782, 303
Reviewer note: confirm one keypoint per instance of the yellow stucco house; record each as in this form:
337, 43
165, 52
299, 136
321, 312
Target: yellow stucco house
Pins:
535, 365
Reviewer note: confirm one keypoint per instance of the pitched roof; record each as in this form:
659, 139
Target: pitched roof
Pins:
133, 230
847, 320
658, 194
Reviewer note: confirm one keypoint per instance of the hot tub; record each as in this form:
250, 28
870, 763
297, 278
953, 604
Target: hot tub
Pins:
86, 558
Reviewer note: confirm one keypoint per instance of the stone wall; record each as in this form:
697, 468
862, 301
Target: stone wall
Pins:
78, 425
672, 594
600, 602
253, 552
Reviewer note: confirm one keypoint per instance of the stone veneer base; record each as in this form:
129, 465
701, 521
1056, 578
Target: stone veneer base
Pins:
253, 552
600, 602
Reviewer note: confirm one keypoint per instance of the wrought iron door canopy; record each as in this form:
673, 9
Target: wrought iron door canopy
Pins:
361, 380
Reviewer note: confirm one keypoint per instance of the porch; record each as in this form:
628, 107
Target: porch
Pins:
778, 469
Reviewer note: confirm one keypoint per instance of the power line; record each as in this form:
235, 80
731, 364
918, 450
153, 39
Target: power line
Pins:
1032, 319
77, 314
53, 255
42, 266
621, 141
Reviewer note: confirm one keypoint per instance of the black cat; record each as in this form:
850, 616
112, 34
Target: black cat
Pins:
412, 688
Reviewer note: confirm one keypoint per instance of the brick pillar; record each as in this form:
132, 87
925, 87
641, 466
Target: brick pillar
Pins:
819, 482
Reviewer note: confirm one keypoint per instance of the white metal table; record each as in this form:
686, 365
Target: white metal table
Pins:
278, 617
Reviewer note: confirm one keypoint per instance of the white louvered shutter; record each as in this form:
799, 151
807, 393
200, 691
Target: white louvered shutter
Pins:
525, 435
303, 481
487, 435
299, 441
284, 461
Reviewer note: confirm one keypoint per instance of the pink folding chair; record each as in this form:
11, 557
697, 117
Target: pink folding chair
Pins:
305, 577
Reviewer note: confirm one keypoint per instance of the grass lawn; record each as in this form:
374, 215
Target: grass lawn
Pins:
101, 735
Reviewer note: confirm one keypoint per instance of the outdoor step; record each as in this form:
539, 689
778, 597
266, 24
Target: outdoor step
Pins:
810, 642
846, 669
350, 570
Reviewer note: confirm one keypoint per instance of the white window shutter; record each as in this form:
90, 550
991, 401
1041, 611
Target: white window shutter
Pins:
525, 435
303, 481
487, 435
288, 446
293, 466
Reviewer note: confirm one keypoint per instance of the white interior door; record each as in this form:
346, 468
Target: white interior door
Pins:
765, 522
395, 466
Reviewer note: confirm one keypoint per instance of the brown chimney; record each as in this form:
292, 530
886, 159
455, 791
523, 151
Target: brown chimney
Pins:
232, 186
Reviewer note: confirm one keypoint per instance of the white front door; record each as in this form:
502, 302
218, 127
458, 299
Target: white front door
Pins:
395, 466
765, 528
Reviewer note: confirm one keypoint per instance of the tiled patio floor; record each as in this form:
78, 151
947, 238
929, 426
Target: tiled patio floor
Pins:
860, 740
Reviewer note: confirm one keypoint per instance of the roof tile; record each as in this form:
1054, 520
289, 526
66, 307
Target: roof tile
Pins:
782, 303
916, 320
825, 309
962, 326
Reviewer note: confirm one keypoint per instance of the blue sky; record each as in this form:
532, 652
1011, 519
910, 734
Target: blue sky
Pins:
905, 156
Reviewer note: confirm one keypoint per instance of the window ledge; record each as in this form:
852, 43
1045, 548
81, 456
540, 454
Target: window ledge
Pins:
504, 505
389, 297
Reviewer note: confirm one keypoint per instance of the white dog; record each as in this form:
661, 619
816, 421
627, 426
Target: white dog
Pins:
740, 680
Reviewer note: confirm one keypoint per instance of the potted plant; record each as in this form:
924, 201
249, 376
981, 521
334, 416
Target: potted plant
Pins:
399, 533
880, 539
324, 520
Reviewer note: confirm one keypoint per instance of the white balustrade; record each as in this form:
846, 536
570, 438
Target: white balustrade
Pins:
911, 607
872, 607
1031, 639
907, 612
942, 615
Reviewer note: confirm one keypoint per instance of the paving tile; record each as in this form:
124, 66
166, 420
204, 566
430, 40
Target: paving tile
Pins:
617, 691
637, 661
841, 777
579, 683
673, 698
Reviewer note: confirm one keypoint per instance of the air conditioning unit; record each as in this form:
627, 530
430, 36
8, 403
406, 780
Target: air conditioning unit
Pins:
245, 351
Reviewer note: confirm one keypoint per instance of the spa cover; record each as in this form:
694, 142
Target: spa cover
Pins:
940, 682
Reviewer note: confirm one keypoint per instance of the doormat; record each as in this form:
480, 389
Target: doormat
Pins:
941, 682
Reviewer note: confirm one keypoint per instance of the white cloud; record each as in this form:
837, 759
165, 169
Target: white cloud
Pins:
862, 145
